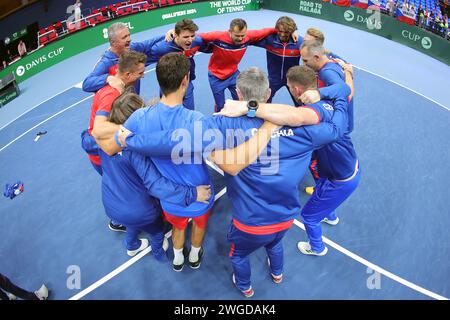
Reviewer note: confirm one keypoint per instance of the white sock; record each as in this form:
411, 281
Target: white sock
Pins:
193, 255
178, 256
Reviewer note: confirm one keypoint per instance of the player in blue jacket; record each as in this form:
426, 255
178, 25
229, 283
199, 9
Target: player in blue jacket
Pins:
330, 74
106, 67
282, 53
263, 195
339, 172
131, 185
186, 42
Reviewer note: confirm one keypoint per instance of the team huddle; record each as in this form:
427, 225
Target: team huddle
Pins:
153, 170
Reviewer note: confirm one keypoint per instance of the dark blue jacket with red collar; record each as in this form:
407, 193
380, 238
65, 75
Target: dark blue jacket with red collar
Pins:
280, 57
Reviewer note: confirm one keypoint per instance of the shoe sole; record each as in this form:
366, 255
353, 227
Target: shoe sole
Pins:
245, 294
277, 281
272, 276
195, 267
116, 230
192, 264
331, 222
324, 252
138, 250
178, 270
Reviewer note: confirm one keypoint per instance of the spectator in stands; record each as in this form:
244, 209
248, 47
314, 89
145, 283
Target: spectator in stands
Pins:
9, 57
77, 7
4, 64
412, 9
390, 7
420, 16
405, 6
445, 26
430, 24
438, 22
21, 48
77, 13
426, 18
397, 6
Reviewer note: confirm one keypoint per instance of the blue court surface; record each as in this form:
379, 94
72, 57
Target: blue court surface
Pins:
392, 241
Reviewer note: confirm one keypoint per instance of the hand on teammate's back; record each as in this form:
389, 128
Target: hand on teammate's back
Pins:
116, 83
310, 96
233, 109
203, 193
170, 35
123, 133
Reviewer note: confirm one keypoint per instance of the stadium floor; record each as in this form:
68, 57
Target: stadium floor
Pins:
396, 223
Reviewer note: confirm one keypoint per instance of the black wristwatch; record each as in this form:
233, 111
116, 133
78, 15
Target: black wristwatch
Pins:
252, 106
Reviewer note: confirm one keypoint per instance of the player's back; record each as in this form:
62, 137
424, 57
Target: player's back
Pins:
187, 170
123, 191
266, 192
336, 160
280, 56
101, 103
328, 72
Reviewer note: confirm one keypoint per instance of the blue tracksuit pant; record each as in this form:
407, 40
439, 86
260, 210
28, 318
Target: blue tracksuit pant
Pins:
274, 87
327, 196
218, 87
156, 232
243, 244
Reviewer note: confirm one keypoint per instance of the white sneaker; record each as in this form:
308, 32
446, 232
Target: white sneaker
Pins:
11, 296
331, 222
144, 245
305, 248
247, 293
165, 244
42, 293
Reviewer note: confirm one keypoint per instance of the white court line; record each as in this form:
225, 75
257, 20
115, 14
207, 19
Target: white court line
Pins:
127, 264
42, 122
35, 107
403, 86
61, 111
77, 85
375, 267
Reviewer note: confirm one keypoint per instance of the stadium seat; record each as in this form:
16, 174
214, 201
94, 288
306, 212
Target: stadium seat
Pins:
43, 40
52, 36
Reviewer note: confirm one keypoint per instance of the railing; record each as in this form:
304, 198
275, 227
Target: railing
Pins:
100, 15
